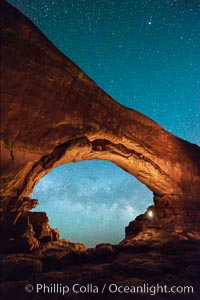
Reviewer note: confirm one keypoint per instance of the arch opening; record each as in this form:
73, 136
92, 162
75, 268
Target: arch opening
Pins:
91, 201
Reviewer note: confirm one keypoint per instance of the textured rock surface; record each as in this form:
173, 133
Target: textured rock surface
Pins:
172, 263
167, 219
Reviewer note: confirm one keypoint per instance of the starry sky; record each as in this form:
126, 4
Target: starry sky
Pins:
146, 55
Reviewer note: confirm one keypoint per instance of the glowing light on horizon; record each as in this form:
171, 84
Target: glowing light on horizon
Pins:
150, 214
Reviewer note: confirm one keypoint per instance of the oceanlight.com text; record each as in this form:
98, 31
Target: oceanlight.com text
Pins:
62, 289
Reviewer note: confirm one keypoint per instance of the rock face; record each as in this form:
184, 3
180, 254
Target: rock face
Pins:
166, 220
53, 114
142, 263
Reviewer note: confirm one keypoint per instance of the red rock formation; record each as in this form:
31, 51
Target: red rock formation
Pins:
52, 114
170, 264
167, 220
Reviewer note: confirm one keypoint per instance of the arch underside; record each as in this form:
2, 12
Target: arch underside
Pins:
144, 169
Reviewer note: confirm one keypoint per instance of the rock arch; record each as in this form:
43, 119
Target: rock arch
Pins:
52, 113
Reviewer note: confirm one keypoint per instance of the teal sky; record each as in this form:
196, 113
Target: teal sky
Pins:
146, 55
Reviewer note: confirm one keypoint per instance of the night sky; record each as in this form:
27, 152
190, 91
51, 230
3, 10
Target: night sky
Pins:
146, 55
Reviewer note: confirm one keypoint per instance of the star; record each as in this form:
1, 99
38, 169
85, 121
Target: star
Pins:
150, 21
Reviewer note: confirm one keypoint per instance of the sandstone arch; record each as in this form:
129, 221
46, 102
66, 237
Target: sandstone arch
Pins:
52, 113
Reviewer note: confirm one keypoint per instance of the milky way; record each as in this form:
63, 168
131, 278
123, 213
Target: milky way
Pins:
146, 55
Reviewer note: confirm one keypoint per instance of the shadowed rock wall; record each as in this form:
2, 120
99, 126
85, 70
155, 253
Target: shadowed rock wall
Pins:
52, 114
